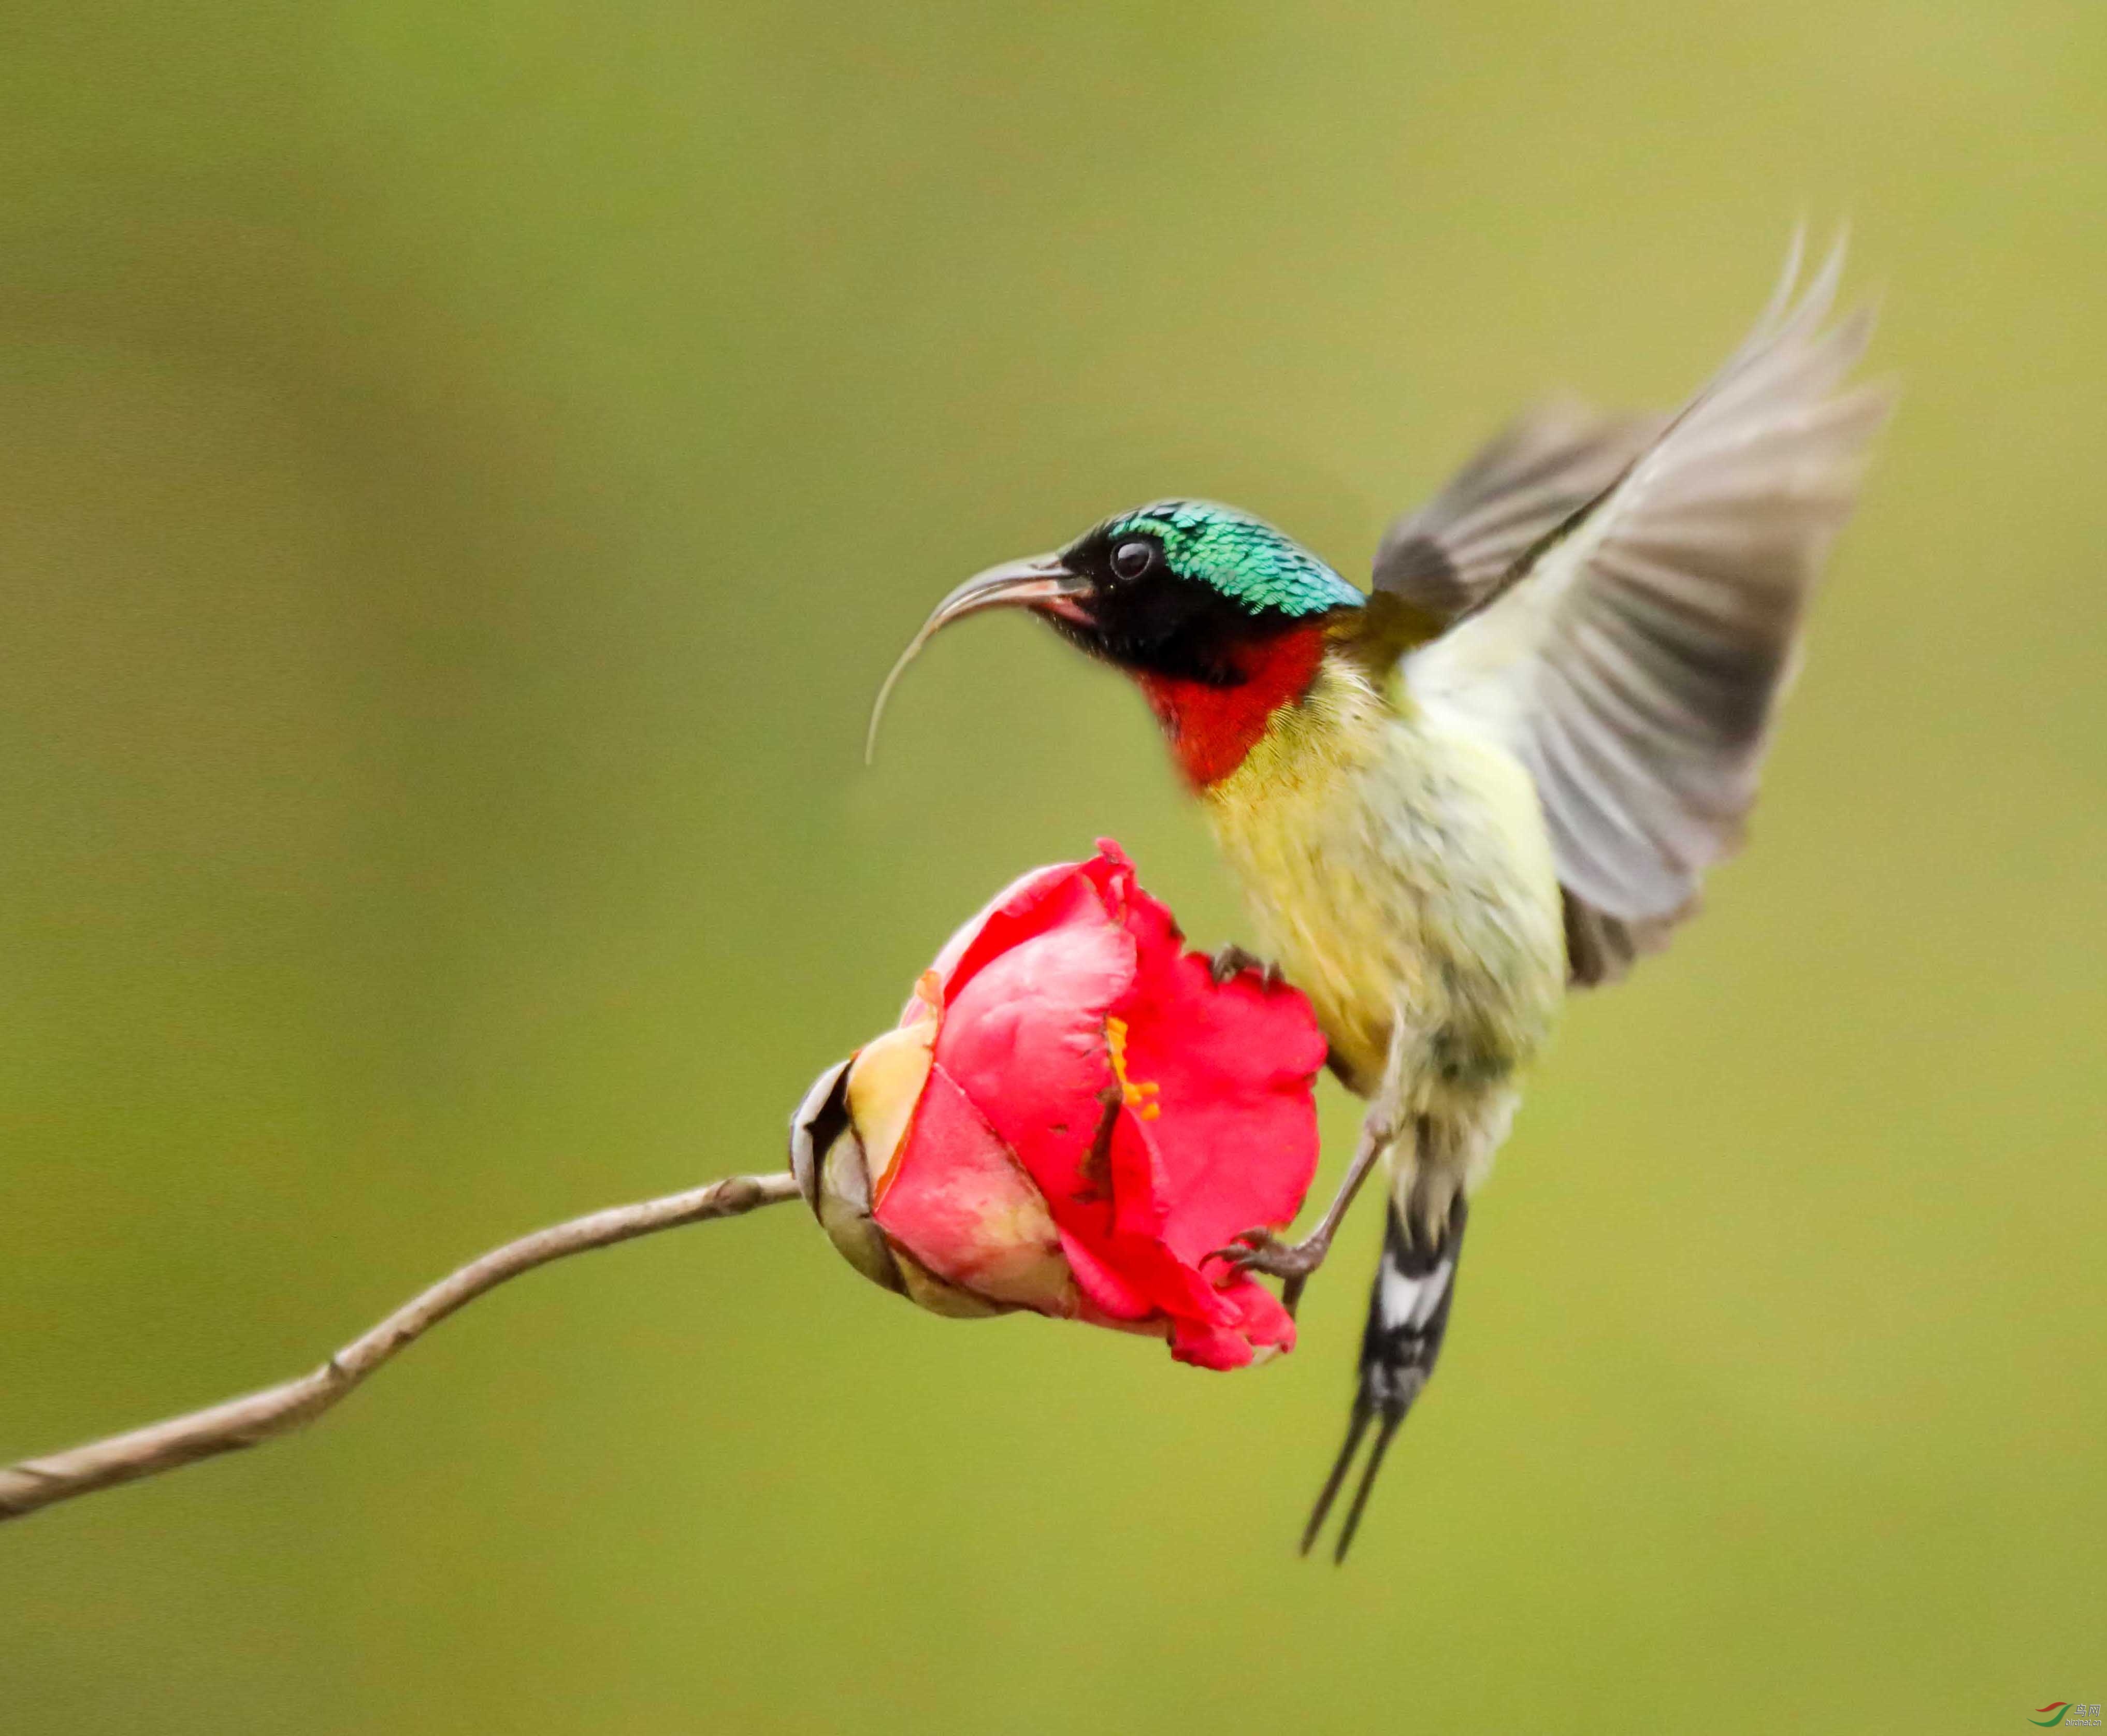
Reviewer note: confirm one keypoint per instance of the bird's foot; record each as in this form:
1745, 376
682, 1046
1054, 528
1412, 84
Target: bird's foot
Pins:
1230, 961
1261, 1250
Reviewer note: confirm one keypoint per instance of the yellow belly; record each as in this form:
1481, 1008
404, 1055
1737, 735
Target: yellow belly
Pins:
1400, 872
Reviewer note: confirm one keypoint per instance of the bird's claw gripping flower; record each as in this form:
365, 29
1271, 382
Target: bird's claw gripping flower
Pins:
1071, 1115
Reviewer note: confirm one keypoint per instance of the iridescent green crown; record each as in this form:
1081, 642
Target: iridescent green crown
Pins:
1243, 557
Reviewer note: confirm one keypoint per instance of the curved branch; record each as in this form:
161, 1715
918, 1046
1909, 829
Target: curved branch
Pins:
279, 1410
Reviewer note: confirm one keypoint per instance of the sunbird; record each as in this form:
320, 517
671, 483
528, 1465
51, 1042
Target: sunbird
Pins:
1500, 773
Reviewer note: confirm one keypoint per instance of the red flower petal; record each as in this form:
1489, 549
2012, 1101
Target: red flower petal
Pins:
1216, 1132
1261, 1324
959, 1204
1227, 1072
1209, 1347
1264, 1324
1120, 1238
1101, 1116
1025, 1038
1044, 898
1102, 1283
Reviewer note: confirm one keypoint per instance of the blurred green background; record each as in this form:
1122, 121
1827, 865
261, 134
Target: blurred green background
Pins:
463, 473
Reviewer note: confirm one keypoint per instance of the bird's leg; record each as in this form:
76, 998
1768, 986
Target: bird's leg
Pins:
1260, 1250
1232, 960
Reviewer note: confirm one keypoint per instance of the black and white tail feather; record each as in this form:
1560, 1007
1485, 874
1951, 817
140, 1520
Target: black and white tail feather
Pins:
1407, 1319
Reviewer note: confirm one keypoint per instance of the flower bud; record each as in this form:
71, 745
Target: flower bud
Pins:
1071, 1116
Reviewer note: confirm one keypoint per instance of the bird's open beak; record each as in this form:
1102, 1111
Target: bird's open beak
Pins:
1041, 582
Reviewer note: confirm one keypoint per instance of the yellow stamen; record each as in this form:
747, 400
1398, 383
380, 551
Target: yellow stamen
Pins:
1134, 1094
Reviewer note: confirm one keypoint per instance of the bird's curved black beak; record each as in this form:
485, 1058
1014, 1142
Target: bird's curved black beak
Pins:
1043, 582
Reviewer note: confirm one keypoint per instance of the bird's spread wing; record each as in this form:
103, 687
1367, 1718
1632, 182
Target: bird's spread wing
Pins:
1631, 654
1455, 552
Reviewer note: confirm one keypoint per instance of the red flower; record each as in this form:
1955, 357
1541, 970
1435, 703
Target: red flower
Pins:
1071, 1116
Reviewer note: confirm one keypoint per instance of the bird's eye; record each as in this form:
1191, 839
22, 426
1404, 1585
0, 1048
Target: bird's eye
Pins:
1132, 559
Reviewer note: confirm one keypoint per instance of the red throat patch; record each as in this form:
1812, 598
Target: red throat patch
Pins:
1211, 729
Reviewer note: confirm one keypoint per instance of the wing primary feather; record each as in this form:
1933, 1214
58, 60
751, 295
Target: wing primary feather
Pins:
1445, 559
1631, 646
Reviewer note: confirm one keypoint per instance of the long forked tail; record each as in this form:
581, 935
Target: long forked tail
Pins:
1408, 1318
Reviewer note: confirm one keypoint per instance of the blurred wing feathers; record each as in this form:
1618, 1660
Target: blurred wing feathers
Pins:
1451, 555
1632, 663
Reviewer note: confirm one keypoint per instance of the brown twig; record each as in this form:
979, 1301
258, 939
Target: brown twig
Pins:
279, 1410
